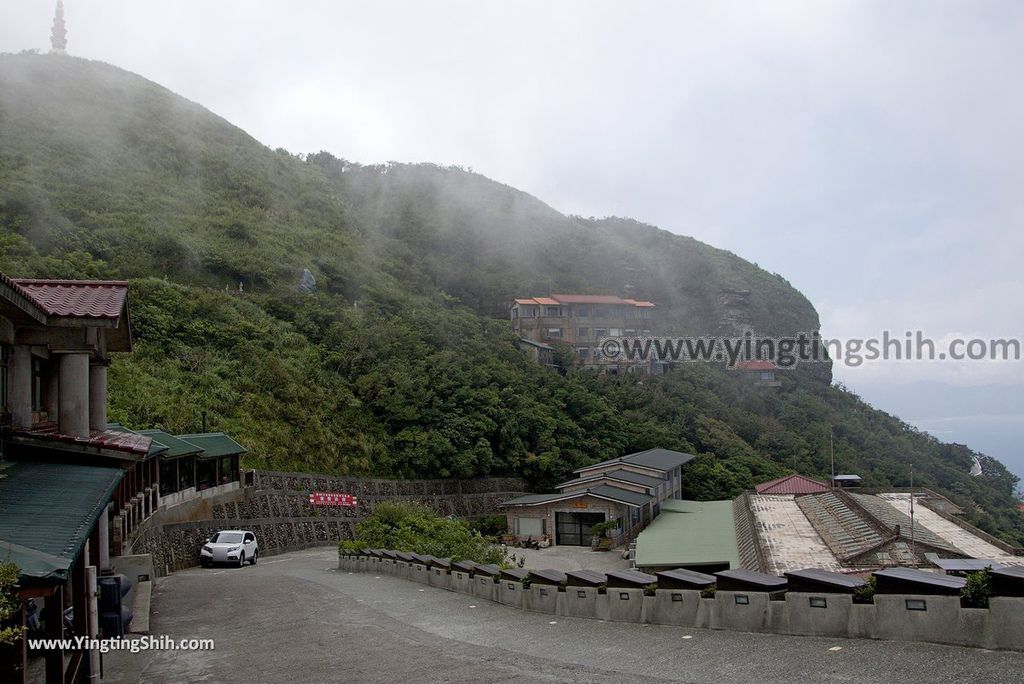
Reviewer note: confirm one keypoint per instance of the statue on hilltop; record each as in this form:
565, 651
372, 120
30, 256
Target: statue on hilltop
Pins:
59, 34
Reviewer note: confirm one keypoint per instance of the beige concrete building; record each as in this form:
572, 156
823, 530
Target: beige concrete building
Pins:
629, 490
582, 321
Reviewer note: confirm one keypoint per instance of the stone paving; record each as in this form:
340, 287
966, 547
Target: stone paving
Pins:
787, 537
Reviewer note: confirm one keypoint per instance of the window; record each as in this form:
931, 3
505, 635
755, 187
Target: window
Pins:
553, 333
168, 477
186, 473
206, 473
583, 352
530, 526
582, 311
37, 384
5, 353
528, 312
227, 470
600, 332
552, 311
582, 332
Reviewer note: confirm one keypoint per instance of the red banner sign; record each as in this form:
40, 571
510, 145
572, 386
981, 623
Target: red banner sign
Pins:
332, 499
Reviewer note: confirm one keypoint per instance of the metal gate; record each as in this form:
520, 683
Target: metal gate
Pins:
573, 529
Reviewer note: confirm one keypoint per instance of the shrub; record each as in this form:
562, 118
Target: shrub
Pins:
412, 527
866, 593
9, 603
978, 589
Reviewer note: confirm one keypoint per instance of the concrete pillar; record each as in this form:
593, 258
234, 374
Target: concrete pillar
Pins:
52, 391
98, 397
104, 538
73, 408
19, 386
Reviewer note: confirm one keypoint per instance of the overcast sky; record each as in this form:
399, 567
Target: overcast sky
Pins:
871, 152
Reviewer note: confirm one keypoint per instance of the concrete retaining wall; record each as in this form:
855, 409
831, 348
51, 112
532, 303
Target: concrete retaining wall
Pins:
896, 617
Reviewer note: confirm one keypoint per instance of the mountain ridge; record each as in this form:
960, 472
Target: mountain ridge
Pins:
402, 363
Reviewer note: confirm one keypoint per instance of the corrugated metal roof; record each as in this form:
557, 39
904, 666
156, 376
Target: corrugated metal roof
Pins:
77, 298
897, 580
792, 484
663, 460
516, 574
608, 492
629, 578
817, 576
547, 577
621, 475
584, 578
689, 533
49, 510
965, 564
680, 578
214, 444
747, 579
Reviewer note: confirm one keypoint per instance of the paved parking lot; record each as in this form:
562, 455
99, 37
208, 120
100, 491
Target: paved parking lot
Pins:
296, 618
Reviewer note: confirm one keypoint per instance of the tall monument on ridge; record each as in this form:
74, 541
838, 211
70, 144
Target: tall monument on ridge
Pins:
59, 34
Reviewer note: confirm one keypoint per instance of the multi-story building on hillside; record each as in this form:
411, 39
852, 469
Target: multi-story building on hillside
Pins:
582, 321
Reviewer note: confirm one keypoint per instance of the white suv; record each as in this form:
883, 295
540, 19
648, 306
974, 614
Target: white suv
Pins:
230, 546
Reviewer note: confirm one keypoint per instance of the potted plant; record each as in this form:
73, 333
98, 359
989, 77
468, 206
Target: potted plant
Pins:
600, 541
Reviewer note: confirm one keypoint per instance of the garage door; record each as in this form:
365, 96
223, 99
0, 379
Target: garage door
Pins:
573, 529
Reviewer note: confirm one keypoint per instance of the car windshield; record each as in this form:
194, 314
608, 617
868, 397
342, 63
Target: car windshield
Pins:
228, 538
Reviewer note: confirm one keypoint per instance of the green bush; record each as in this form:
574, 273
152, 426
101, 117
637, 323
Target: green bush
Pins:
414, 528
866, 593
978, 589
9, 603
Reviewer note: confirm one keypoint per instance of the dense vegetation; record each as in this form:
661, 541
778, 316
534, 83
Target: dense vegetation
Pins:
414, 528
401, 363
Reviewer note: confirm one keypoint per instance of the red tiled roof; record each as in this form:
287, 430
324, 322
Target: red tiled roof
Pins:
77, 298
756, 365
128, 442
792, 484
554, 300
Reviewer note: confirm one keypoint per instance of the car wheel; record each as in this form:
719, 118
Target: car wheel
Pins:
203, 562
255, 555
241, 560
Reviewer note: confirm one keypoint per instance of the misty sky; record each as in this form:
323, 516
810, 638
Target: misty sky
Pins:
871, 152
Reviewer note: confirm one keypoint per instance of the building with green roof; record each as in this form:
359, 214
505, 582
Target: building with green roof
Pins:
696, 535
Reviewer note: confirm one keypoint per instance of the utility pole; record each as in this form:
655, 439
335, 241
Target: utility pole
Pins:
832, 455
912, 550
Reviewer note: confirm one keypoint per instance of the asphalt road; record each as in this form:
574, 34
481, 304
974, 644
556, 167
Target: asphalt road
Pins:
296, 618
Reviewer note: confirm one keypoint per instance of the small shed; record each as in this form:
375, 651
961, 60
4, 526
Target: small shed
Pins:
846, 481
629, 579
442, 563
486, 571
911, 581
684, 579
962, 566
584, 578
747, 580
515, 574
1008, 581
464, 566
547, 577
816, 580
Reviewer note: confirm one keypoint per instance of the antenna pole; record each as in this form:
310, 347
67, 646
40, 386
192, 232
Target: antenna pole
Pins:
912, 550
832, 456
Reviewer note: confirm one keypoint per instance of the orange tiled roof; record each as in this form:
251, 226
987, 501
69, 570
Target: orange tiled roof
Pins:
76, 298
557, 299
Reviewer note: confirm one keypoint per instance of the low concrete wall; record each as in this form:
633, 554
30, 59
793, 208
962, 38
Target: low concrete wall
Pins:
625, 605
585, 602
676, 607
896, 617
485, 588
543, 598
461, 582
818, 614
510, 593
418, 573
439, 578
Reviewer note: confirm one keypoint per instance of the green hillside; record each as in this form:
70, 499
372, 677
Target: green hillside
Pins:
402, 363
